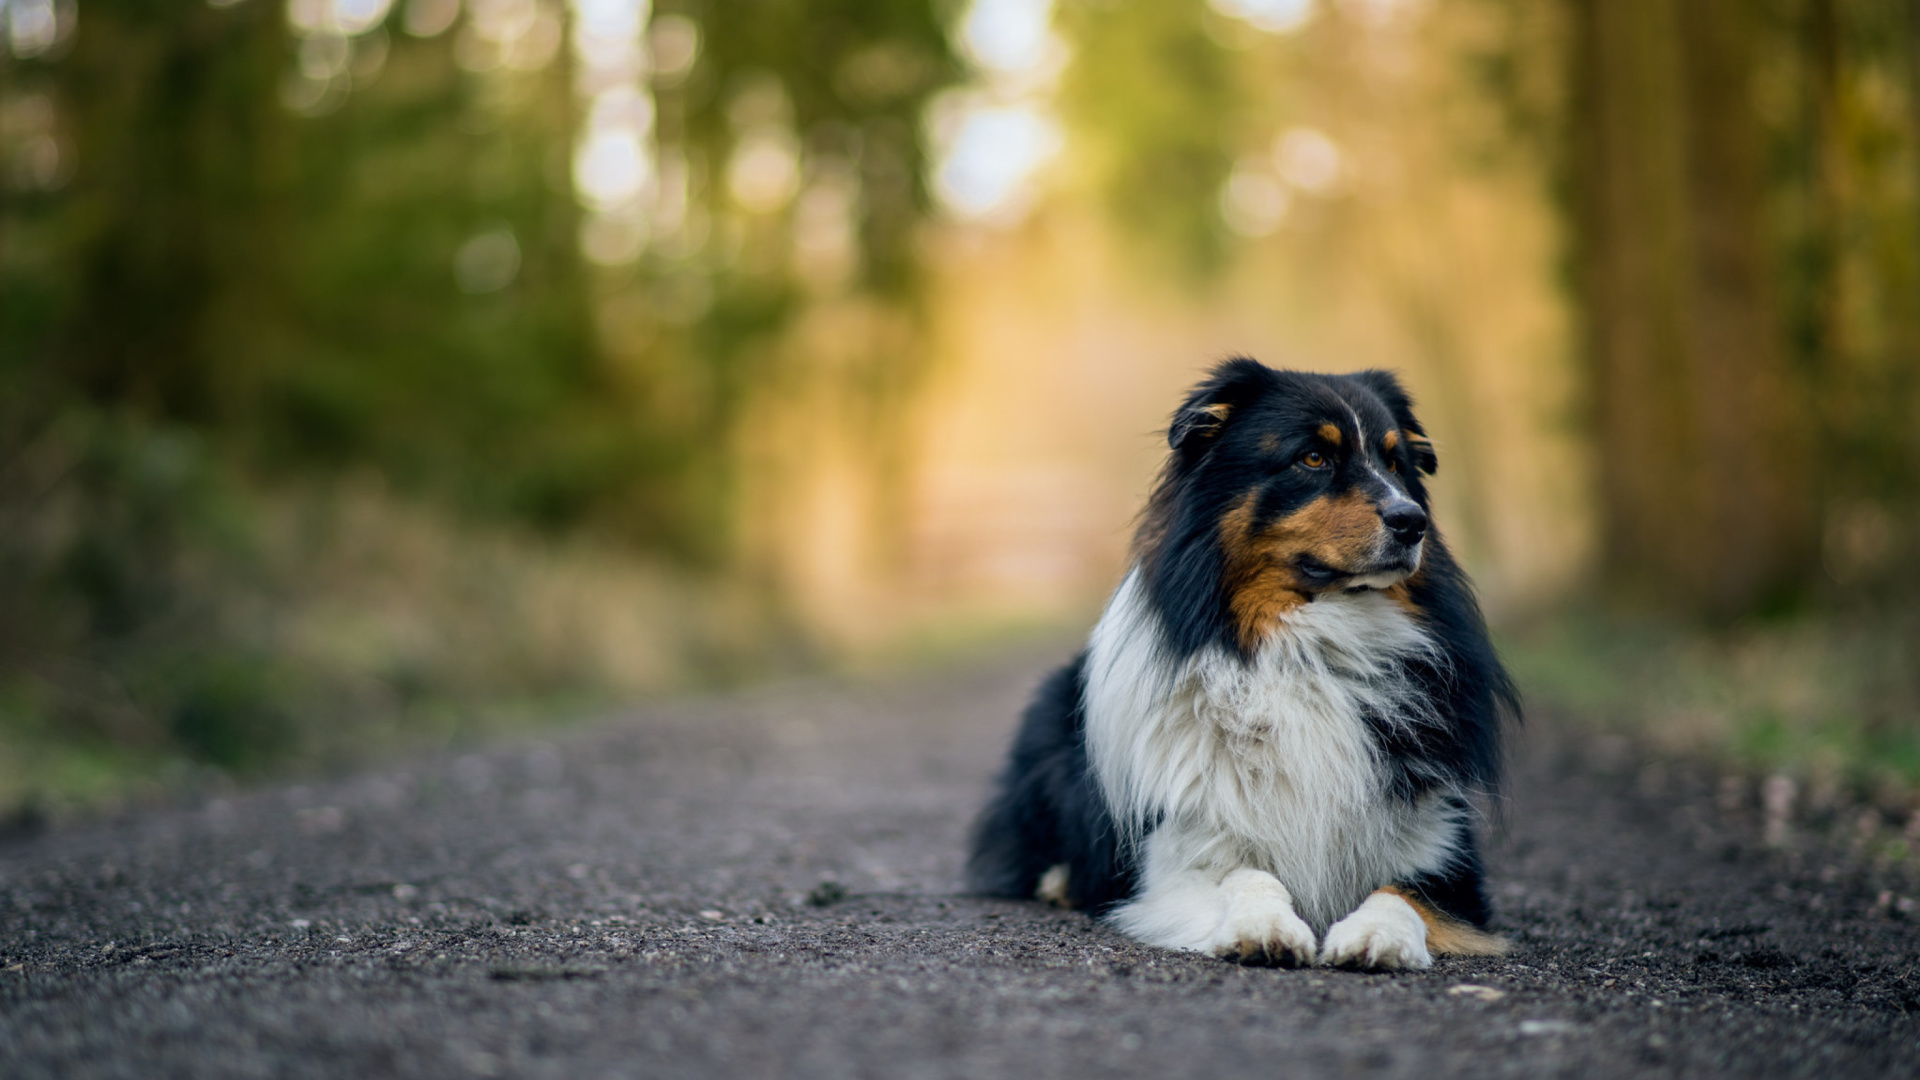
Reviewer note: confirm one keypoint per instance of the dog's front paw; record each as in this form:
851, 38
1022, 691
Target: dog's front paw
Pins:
1267, 939
1261, 926
1383, 934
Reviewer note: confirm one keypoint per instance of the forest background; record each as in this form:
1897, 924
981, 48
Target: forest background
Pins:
376, 374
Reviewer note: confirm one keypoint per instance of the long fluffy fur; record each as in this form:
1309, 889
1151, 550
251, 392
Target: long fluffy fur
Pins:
1233, 749
1267, 763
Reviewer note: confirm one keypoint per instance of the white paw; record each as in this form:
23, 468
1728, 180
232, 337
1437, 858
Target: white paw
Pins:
1260, 925
1054, 887
1383, 934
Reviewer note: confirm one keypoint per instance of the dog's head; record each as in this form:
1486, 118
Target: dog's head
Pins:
1283, 486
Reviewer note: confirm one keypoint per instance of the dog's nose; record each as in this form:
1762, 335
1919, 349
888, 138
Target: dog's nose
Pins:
1406, 521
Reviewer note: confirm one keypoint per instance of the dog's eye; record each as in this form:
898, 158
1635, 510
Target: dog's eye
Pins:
1314, 459
1393, 465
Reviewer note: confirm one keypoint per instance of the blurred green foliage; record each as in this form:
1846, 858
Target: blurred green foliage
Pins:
121, 546
1829, 699
856, 75
229, 286
1744, 220
169, 619
1838, 97
1155, 104
278, 348
285, 283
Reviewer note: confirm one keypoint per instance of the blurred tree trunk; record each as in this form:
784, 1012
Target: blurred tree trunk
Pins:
1827, 158
1910, 301
175, 116
1702, 445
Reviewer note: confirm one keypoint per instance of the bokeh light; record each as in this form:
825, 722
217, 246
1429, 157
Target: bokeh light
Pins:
1008, 37
487, 262
990, 141
615, 170
988, 156
34, 27
430, 18
1273, 16
1309, 160
1253, 203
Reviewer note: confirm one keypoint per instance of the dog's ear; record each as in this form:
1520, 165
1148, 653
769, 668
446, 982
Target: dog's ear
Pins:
1386, 386
1196, 424
1423, 456
1201, 418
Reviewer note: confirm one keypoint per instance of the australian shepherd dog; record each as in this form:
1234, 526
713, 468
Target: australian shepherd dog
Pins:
1271, 747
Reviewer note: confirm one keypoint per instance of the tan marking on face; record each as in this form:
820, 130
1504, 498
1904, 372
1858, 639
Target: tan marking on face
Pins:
1262, 585
1330, 433
1260, 588
1446, 935
1401, 592
1342, 531
1422, 447
1391, 440
1402, 597
1218, 410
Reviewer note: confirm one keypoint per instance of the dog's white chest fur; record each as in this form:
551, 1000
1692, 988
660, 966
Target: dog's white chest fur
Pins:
1268, 764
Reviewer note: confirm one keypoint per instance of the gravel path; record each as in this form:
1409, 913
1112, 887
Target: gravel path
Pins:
763, 885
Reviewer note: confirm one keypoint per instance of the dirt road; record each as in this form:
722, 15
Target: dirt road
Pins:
764, 886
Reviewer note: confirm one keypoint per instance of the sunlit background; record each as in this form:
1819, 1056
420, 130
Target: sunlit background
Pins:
378, 373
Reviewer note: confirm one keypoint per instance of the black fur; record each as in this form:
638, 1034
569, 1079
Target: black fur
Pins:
1237, 433
1460, 889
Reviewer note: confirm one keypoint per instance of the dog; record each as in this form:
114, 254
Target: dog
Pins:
1270, 749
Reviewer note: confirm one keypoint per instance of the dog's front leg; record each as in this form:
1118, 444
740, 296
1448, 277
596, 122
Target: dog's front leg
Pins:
1187, 902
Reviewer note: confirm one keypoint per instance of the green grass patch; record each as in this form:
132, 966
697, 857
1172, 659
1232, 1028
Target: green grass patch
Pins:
170, 622
1833, 696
